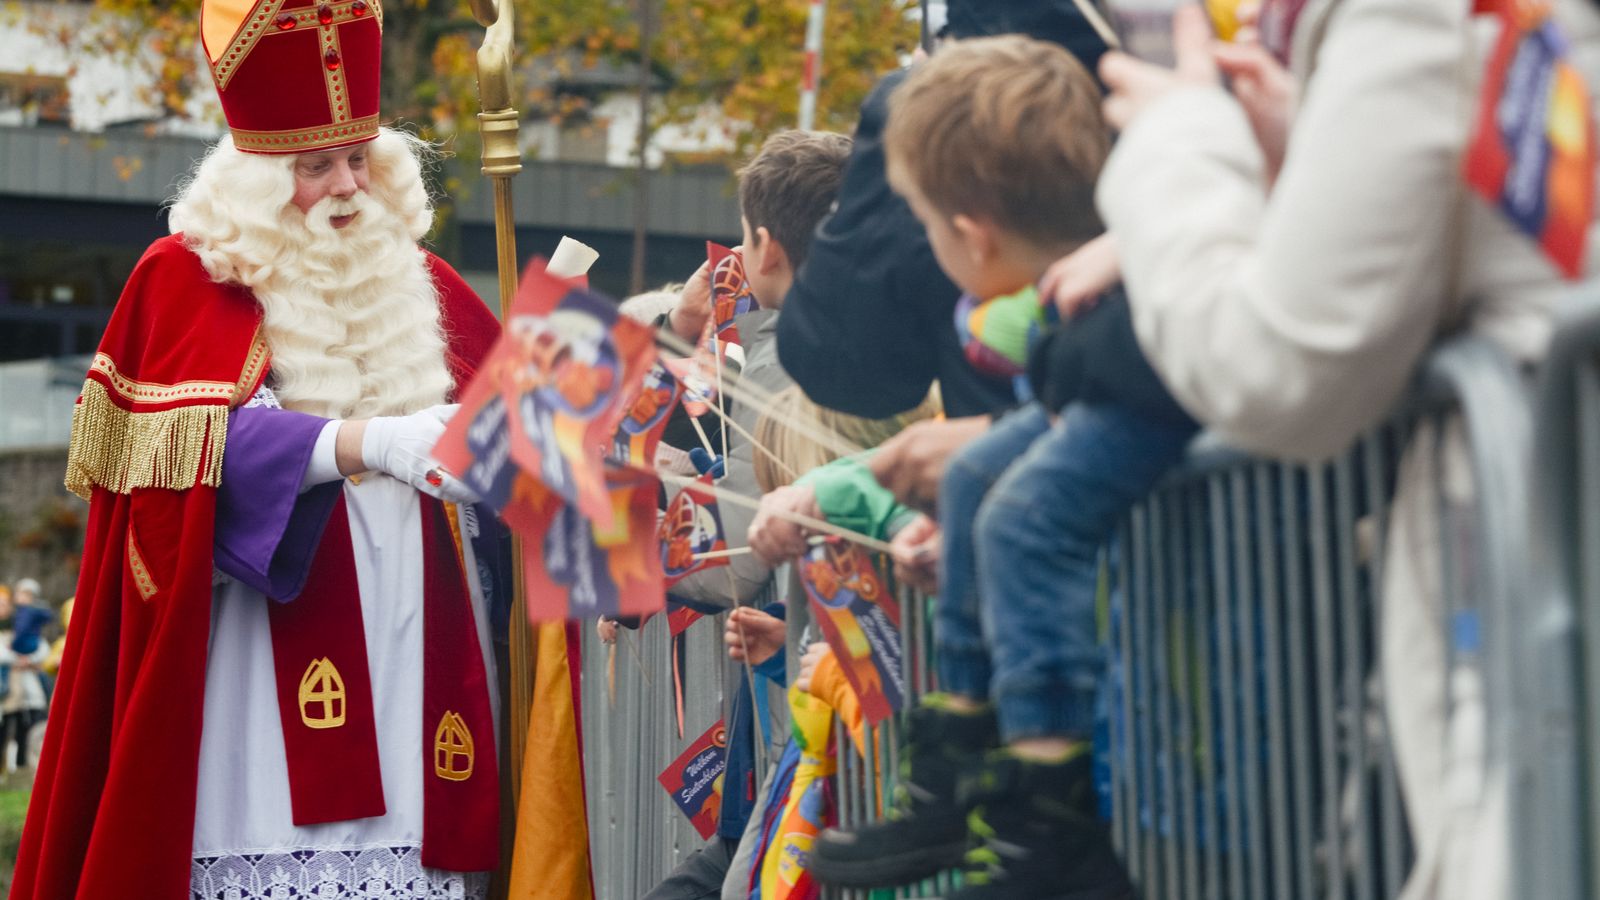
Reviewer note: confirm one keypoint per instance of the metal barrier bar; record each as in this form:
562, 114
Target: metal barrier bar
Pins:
1183, 683
1240, 512
1211, 830
1268, 554
1555, 806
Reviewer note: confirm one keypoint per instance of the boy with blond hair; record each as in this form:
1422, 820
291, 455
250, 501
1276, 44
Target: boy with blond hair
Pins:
996, 144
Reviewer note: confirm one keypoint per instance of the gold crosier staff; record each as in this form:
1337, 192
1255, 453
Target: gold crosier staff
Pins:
502, 160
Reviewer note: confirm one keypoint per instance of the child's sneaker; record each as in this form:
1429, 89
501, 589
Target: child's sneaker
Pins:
1037, 833
926, 831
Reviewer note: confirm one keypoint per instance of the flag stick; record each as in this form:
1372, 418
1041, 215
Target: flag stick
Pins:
721, 554
716, 353
729, 422
704, 441
752, 395
738, 499
1098, 23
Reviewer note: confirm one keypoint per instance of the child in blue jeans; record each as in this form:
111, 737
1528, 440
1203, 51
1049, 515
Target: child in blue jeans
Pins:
995, 144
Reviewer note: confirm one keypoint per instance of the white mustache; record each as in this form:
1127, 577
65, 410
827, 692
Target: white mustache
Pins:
332, 207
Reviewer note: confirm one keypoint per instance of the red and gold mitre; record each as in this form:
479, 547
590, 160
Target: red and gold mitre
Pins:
295, 75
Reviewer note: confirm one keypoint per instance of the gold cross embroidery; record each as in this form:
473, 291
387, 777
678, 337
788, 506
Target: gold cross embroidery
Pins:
452, 748
322, 699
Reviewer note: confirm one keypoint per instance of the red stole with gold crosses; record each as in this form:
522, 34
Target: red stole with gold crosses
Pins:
326, 706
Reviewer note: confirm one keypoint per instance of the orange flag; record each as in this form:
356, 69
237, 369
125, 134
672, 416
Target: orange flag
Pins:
551, 857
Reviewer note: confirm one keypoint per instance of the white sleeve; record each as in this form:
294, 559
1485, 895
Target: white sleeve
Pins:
324, 464
1291, 326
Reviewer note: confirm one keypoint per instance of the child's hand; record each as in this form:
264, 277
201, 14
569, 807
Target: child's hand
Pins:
916, 554
774, 538
752, 635
688, 319
1075, 281
815, 654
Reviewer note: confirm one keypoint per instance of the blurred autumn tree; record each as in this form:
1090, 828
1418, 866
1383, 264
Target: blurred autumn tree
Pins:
742, 56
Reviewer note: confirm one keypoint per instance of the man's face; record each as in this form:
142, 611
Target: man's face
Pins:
340, 174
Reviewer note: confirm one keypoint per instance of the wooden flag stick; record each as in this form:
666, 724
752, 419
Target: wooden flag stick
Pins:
722, 413
721, 554
738, 499
728, 422
755, 397
1098, 23
704, 441
638, 661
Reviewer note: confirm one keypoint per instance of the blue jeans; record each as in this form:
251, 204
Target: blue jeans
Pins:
1025, 510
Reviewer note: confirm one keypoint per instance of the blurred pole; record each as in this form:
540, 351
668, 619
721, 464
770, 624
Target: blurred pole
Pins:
641, 181
813, 66
927, 31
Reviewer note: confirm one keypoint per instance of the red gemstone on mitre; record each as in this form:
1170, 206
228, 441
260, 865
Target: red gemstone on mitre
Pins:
358, 9
284, 21
331, 60
325, 14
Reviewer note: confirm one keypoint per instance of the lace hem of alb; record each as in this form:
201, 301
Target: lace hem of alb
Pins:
364, 873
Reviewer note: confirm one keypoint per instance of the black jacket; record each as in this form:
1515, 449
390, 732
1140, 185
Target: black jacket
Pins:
868, 325
1095, 358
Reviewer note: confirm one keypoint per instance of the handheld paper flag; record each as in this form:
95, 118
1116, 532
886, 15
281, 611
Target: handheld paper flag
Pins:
695, 779
477, 441
577, 366
1533, 152
575, 568
731, 296
860, 621
691, 526
679, 618
640, 432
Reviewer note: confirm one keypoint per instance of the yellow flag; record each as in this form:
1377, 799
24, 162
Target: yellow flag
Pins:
551, 857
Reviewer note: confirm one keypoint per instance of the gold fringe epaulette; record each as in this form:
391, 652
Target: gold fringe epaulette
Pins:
120, 450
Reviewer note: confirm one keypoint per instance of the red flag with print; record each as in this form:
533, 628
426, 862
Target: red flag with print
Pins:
691, 527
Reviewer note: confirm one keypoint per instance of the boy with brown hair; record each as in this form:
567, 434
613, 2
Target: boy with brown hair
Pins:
784, 191
996, 144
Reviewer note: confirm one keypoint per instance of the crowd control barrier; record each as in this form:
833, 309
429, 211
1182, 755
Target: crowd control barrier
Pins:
1250, 753
1244, 750
630, 733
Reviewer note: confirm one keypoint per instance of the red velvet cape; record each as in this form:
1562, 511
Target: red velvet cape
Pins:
112, 813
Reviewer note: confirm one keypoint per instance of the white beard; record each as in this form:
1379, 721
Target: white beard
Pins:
352, 315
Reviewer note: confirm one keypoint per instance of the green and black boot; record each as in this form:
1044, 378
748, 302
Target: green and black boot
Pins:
1037, 833
926, 830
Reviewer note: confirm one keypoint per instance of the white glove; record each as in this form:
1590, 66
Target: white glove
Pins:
402, 446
